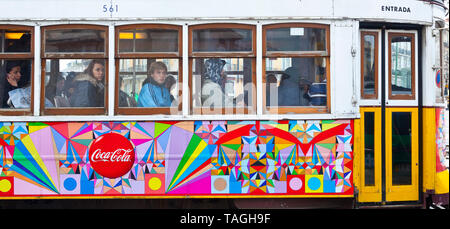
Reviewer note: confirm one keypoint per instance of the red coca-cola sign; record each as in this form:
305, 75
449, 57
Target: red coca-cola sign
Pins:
111, 155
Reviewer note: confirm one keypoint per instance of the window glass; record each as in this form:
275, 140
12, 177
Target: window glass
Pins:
296, 39
222, 82
438, 64
15, 41
369, 149
15, 86
401, 148
148, 40
75, 40
369, 65
445, 62
296, 82
401, 65
74, 83
222, 40
148, 82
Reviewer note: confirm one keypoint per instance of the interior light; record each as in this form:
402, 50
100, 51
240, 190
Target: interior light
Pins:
129, 35
13, 36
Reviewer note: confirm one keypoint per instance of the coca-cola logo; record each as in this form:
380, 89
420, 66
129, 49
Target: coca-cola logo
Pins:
111, 155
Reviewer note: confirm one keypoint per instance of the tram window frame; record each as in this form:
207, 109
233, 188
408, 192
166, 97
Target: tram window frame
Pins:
376, 75
296, 54
249, 109
412, 96
74, 55
149, 55
29, 56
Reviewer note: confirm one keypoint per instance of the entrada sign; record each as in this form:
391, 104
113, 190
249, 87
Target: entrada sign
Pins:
396, 9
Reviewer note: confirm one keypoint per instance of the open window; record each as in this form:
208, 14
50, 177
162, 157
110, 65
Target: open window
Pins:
296, 68
16, 70
74, 70
222, 68
148, 69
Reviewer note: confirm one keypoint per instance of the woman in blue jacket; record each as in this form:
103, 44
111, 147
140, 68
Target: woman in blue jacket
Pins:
153, 92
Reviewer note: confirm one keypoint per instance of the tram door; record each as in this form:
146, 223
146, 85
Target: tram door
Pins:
389, 117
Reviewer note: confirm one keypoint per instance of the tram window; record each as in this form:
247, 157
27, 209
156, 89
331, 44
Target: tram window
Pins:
296, 68
74, 73
148, 40
16, 68
299, 82
148, 69
369, 65
296, 39
401, 63
222, 83
148, 82
74, 40
74, 83
222, 69
440, 64
222, 40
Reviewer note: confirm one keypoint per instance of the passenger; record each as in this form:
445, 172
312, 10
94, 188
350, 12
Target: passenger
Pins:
271, 82
213, 84
153, 92
289, 90
124, 99
89, 87
55, 87
10, 78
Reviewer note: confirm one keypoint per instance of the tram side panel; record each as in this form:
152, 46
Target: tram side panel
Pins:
300, 158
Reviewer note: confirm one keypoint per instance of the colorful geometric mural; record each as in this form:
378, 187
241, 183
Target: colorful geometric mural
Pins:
181, 158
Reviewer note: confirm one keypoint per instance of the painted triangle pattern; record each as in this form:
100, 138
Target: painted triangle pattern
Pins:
295, 157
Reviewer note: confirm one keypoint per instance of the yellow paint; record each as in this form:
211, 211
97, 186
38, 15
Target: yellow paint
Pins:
442, 182
428, 148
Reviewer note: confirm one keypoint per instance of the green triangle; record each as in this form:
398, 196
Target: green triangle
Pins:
37, 124
160, 128
326, 145
85, 142
232, 146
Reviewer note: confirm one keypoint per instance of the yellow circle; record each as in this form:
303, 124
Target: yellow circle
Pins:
154, 183
5, 185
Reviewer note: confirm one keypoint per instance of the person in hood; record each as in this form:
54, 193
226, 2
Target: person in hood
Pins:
289, 91
213, 84
88, 86
153, 92
10, 77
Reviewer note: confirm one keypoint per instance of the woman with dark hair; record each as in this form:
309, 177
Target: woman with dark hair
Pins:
89, 87
10, 77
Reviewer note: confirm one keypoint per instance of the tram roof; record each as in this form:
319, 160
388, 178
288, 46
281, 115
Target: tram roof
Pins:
408, 11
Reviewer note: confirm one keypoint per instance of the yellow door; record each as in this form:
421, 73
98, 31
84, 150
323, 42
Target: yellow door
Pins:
402, 166
370, 155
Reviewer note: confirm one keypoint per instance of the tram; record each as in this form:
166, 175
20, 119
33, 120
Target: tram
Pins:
274, 104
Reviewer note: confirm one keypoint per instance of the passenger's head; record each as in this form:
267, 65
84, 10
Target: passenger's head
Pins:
158, 71
13, 70
96, 69
291, 74
214, 69
271, 78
